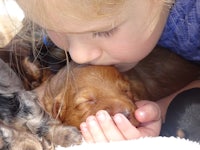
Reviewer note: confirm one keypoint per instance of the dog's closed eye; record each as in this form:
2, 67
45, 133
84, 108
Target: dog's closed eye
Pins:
85, 95
82, 100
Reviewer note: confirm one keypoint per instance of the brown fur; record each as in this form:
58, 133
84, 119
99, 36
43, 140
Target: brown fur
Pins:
161, 74
29, 72
86, 90
21, 140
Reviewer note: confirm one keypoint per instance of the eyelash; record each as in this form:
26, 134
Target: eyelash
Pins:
105, 33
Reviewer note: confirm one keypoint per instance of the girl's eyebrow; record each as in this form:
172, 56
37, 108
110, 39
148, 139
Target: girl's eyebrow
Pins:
94, 30
101, 29
104, 28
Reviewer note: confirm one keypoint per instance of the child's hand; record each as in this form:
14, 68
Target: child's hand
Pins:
103, 128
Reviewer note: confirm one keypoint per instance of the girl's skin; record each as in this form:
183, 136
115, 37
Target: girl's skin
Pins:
121, 40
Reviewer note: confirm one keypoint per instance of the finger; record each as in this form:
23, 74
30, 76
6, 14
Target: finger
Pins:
85, 133
151, 129
95, 130
109, 128
147, 111
126, 128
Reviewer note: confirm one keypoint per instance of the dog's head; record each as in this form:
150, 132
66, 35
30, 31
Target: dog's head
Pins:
72, 95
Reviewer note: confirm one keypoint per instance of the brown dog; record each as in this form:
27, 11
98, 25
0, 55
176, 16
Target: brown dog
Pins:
72, 95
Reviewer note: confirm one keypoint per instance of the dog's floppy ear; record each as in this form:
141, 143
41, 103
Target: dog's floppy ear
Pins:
9, 81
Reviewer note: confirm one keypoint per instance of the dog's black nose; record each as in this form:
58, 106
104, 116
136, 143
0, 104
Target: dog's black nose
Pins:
126, 113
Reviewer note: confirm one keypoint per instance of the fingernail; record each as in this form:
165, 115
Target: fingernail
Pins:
83, 127
140, 114
102, 115
118, 118
91, 121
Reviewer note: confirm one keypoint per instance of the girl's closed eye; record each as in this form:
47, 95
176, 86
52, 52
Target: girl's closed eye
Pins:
105, 33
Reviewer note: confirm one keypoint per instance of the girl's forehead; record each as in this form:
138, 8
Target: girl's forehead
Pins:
52, 13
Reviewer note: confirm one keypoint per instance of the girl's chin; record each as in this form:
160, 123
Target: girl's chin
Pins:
124, 67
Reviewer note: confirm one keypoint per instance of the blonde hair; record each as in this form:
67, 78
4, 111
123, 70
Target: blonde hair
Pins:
43, 11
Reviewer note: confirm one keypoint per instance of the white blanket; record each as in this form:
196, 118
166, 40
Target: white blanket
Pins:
148, 143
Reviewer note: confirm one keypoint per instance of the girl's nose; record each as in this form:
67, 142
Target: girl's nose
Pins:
84, 53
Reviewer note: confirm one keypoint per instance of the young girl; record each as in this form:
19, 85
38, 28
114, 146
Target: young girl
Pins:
120, 33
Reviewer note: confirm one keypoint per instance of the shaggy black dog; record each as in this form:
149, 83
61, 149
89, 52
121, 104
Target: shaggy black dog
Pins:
183, 116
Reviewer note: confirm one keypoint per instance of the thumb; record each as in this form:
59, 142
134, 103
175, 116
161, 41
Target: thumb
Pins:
147, 111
